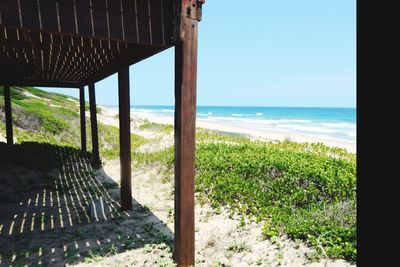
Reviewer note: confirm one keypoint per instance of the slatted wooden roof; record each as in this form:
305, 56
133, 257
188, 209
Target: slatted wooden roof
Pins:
71, 43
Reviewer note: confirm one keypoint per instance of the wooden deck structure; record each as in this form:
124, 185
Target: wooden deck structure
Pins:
76, 43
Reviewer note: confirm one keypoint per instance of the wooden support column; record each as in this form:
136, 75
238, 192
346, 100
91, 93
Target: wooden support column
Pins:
7, 111
83, 118
185, 126
125, 138
93, 124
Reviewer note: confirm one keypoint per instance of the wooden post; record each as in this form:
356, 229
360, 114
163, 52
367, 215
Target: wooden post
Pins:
185, 126
7, 110
125, 138
93, 123
83, 118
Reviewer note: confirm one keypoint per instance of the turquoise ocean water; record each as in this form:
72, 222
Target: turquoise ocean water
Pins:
329, 123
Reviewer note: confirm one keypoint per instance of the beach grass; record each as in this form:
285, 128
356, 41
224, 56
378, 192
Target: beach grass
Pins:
306, 191
306, 195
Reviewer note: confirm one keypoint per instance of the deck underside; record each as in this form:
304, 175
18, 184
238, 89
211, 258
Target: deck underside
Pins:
70, 43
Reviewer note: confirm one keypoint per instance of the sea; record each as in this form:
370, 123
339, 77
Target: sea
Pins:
327, 123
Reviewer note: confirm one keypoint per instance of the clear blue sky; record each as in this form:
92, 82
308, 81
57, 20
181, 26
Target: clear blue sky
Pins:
258, 53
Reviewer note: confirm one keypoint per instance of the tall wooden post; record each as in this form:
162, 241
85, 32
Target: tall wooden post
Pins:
185, 126
7, 110
83, 118
125, 138
93, 124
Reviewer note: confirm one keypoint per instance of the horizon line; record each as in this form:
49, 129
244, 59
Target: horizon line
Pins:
159, 105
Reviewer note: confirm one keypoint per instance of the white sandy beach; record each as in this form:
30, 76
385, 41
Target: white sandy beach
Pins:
215, 232
109, 117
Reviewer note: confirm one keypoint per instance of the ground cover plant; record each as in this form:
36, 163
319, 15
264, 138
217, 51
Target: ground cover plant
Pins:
305, 191
53, 118
307, 195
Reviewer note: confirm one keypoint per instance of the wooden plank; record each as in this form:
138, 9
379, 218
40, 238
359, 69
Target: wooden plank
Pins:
7, 110
122, 20
67, 16
115, 19
48, 11
83, 117
93, 123
83, 18
143, 20
134, 54
130, 26
125, 138
9, 13
30, 13
38, 83
168, 8
156, 22
185, 125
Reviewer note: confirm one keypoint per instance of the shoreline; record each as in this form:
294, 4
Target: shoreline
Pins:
110, 119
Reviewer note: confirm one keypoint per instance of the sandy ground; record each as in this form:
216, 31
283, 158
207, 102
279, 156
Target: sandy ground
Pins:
142, 237
2, 138
47, 223
109, 113
220, 239
44, 219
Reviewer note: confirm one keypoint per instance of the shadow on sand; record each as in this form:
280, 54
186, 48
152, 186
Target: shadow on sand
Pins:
45, 192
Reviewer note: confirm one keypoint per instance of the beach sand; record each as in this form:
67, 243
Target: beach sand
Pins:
109, 116
217, 233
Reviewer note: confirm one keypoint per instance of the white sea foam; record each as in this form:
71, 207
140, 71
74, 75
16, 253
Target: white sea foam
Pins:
339, 125
144, 110
274, 122
258, 121
352, 134
341, 130
224, 118
314, 129
265, 121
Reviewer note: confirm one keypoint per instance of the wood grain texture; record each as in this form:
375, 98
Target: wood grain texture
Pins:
102, 19
8, 114
125, 138
93, 124
82, 117
185, 125
73, 43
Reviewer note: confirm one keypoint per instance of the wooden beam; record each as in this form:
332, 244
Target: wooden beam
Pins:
62, 60
93, 123
7, 110
83, 117
147, 22
125, 138
35, 83
185, 126
126, 59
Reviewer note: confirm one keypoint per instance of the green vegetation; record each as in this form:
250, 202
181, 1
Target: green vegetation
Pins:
307, 191
167, 128
239, 247
109, 141
54, 118
99, 253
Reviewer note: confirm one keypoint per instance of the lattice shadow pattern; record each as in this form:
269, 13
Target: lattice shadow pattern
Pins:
44, 217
